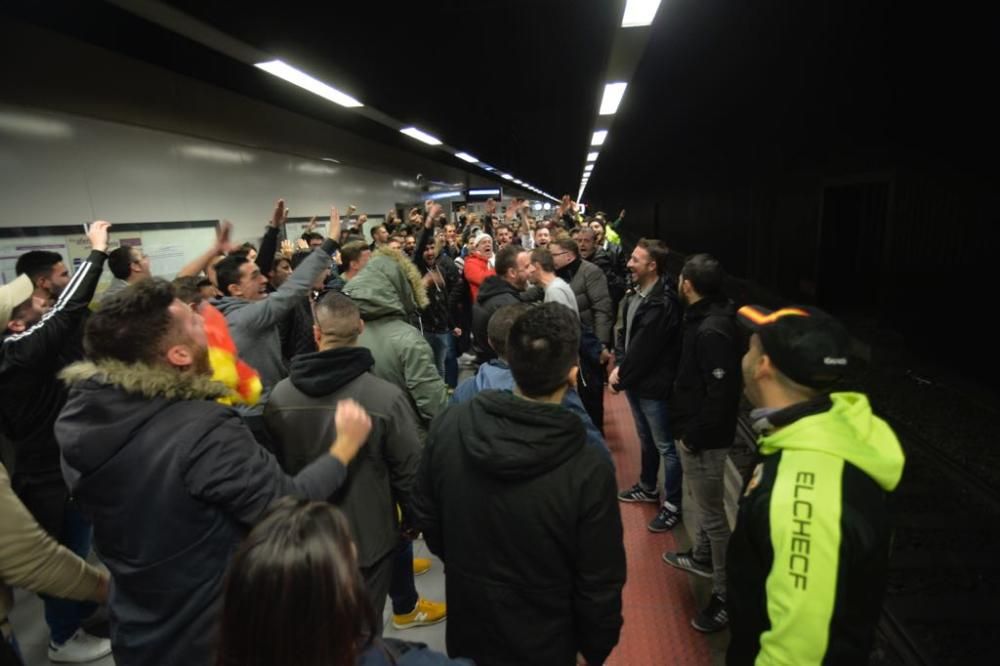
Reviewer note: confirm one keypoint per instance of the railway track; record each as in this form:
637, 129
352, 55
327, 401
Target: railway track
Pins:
941, 606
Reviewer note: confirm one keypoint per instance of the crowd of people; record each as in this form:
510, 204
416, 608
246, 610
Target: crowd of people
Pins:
252, 448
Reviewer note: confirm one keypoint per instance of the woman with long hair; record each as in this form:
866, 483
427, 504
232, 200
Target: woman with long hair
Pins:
295, 596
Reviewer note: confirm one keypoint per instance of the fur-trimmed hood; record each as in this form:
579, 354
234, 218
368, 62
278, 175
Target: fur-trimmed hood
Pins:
145, 380
389, 285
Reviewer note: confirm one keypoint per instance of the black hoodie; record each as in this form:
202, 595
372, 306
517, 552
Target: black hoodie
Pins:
299, 416
494, 293
524, 516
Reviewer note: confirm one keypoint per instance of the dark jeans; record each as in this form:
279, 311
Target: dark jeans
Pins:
445, 360
403, 588
378, 578
65, 616
653, 426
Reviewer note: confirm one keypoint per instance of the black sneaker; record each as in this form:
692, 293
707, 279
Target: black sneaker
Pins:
665, 520
713, 618
687, 562
638, 494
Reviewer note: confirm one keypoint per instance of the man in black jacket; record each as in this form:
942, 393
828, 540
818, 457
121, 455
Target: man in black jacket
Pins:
38, 342
171, 479
703, 407
513, 265
516, 466
440, 319
298, 418
646, 352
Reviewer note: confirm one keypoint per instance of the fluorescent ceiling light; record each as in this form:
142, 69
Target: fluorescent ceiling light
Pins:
592, 157
507, 176
488, 167
599, 137
639, 13
613, 93
518, 182
303, 80
420, 135
588, 168
467, 157
546, 205
485, 192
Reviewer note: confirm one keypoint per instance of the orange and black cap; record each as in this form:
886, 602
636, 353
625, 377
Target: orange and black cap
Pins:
806, 344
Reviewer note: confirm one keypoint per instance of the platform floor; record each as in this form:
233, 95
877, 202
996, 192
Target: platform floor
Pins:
658, 601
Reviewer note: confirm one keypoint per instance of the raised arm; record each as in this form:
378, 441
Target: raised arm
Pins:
221, 245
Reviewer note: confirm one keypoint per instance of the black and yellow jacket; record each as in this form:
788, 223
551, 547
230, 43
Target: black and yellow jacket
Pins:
807, 561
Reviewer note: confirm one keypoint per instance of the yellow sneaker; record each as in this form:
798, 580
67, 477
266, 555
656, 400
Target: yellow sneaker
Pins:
421, 565
425, 613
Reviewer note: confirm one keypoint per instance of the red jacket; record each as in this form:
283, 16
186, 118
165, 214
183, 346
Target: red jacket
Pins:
477, 269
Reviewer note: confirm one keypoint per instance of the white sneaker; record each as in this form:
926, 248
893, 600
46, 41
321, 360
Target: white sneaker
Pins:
79, 649
467, 359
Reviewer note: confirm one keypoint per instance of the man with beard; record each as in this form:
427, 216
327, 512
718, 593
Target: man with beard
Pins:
47, 271
40, 339
646, 352
703, 411
504, 288
171, 478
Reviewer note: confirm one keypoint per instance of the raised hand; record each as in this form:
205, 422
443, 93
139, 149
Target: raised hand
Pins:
353, 425
280, 214
223, 242
97, 234
301, 244
333, 231
312, 224
287, 249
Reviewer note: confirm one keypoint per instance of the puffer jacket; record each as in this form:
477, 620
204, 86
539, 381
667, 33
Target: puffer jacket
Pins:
171, 481
390, 294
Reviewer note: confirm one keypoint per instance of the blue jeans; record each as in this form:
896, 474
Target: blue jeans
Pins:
63, 615
403, 588
445, 360
653, 426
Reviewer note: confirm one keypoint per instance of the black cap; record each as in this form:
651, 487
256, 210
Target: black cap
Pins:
806, 344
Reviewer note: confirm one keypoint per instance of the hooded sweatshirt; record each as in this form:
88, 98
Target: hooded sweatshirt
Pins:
390, 295
525, 518
497, 375
299, 417
809, 556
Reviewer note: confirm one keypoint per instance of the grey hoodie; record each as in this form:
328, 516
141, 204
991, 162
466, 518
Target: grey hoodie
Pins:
253, 324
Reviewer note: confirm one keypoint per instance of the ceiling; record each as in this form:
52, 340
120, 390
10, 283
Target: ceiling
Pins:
724, 88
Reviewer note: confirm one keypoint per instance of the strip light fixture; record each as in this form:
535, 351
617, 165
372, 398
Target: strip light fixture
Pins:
421, 135
599, 137
592, 157
467, 157
297, 77
639, 13
613, 93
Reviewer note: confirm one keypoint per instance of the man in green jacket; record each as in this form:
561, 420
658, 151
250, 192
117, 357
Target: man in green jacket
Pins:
390, 293
807, 562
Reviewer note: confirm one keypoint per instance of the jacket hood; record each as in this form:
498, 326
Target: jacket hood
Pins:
513, 438
494, 286
111, 401
388, 286
145, 380
494, 374
848, 430
322, 373
227, 304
